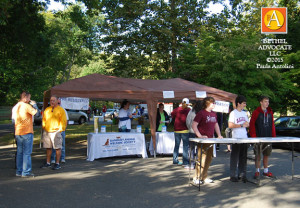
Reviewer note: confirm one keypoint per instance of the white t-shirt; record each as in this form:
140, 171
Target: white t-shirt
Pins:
239, 118
124, 113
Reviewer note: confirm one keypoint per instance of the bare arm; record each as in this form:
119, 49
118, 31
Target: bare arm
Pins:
217, 129
232, 125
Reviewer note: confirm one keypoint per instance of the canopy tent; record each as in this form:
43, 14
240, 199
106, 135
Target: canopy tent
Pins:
111, 88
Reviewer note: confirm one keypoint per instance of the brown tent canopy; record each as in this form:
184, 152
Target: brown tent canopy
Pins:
102, 87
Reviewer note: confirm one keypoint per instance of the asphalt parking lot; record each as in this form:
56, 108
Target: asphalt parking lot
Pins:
136, 182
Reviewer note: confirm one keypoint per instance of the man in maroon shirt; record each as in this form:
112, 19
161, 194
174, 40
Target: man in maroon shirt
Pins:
181, 132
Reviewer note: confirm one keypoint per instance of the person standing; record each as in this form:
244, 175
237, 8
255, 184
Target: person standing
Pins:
162, 117
63, 134
204, 125
238, 122
189, 121
181, 132
125, 117
54, 122
104, 109
23, 117
262, 125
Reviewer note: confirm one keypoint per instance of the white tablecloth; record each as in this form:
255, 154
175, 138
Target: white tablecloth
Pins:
165, 142
115, 144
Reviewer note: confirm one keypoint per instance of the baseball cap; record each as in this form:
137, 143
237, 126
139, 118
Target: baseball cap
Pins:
186, 100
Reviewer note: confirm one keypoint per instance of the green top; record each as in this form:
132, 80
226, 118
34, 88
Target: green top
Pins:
162, 118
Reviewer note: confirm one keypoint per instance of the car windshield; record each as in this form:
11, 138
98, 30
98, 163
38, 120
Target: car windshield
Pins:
281, 122
294, 123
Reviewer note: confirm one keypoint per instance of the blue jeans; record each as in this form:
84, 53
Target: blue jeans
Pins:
63, 149
24, 150
185, 141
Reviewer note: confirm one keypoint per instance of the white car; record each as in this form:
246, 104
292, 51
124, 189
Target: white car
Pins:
110, 113
74, 115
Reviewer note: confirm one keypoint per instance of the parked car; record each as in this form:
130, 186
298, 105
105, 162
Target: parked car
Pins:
74, 115
77, 116
110, 113
287, 126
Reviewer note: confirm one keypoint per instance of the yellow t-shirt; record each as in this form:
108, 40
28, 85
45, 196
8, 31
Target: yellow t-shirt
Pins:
23, 118
54, 119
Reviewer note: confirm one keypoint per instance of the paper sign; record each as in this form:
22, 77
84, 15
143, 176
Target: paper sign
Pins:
75, 103
200, 94
168, 94
221, 106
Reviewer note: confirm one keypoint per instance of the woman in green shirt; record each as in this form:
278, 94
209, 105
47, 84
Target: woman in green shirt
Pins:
162, 117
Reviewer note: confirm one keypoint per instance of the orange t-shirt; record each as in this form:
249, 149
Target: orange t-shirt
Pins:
23, 118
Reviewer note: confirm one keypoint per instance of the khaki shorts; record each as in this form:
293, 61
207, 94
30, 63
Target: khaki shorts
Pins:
52, 140
266, 148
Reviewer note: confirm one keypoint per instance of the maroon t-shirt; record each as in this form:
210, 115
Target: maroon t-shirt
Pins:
180, 115
206, 122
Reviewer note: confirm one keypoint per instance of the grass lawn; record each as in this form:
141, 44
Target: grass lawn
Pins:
5, 121
74, 133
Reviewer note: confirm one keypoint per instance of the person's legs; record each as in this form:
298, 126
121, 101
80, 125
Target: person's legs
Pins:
27, 150
192, 148
19, 157
185, 154
58, 155
53, 155
63, 148
257, 156
267, 149
234, 158
206, 160
176, 148
197, 169
265, 161
48, 154
243, 161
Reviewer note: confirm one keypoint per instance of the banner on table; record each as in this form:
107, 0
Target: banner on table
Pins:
75, 103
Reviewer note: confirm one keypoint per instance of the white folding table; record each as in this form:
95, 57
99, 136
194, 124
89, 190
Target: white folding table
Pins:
257, 140
165, 142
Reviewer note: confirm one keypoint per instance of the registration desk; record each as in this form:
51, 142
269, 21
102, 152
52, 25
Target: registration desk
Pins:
112, 144
165, 142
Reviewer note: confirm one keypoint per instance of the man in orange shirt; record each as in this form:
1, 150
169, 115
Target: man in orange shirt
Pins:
22, 115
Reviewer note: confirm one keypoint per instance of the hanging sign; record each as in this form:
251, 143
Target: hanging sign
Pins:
168, 94
200, 94
75, 103
221, 106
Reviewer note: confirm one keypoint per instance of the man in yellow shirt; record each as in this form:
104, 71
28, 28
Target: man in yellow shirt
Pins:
22, 116
54, 122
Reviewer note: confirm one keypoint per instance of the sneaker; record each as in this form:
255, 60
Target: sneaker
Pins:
188, 167
234, 179
63, 161
197, 181
18, 175
268, 174
45, 165
208, 180
31, 175
179, 163
52, 161
56, 167
256, 175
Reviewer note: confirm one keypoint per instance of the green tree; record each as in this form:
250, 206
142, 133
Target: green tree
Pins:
146, 36
74, 40
23, 49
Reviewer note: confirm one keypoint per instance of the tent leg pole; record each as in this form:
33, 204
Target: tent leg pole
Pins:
154, 154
